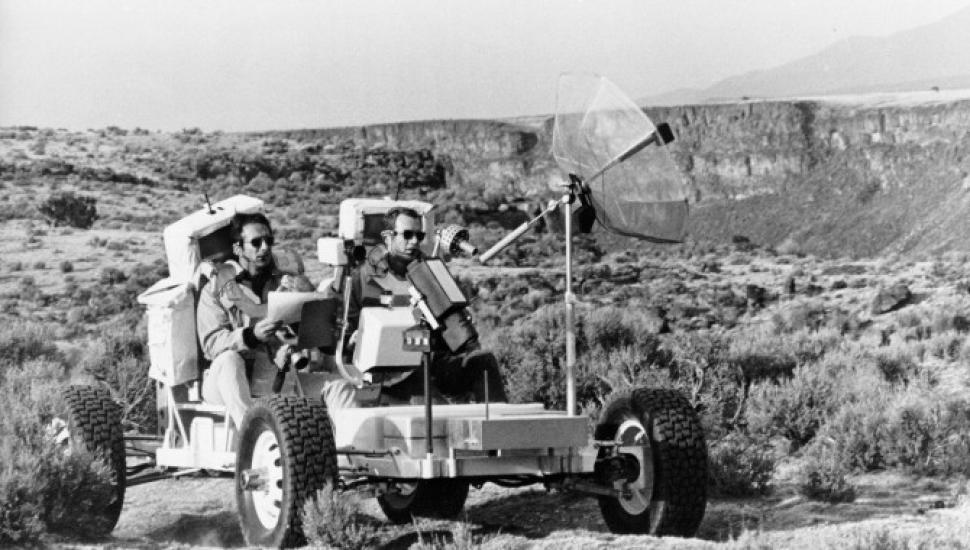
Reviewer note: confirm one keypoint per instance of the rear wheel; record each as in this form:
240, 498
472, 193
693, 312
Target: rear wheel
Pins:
661, 429
438, 498
94, 423
286, 454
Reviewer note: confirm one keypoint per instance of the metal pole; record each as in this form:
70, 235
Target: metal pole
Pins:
428, 432
486, 394
570, 313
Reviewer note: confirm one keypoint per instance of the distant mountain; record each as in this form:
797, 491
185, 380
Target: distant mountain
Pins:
934, 55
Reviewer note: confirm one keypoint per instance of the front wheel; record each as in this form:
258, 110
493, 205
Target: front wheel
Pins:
438, 498
661, 429
286, 454
94, 423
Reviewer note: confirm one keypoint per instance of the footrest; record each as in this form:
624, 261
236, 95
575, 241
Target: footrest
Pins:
200, 406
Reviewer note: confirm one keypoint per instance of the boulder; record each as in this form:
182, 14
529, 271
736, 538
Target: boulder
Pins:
756, 296
961, 323
891, 299
789, 288
813, 289
655, 320
742, 243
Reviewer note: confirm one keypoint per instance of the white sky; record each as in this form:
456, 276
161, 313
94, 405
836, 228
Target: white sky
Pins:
247, 65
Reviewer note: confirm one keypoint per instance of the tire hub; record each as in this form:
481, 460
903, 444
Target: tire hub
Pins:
267, 497
401, 493
633, 439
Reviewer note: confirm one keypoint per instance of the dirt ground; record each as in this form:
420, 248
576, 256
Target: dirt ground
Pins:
199, 512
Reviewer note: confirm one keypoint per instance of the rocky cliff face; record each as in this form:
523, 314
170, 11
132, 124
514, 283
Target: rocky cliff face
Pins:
510, 155
852, 177
735, 150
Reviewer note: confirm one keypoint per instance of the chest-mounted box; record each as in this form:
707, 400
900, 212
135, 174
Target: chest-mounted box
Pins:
445, 301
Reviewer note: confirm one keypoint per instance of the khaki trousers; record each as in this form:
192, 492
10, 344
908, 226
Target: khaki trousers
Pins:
225, 384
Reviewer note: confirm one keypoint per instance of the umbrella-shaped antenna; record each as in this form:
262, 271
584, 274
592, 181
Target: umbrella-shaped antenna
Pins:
619, 167
602, 137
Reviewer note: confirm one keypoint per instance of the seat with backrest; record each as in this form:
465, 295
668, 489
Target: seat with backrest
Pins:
177, 362
361, 223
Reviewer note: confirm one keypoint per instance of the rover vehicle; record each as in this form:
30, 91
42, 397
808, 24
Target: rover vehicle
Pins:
645, 461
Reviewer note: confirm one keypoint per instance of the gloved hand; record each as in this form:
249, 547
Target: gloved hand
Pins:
295, 283
288, 355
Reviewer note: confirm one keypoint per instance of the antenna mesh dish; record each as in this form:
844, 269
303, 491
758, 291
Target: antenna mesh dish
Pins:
644, 196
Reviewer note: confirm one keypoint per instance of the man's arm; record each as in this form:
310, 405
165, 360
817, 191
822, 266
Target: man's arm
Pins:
354, 305
215, 329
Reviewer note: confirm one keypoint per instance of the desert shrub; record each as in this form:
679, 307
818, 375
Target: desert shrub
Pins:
812, 345
69, 485
20, 511
532, 354
740, 466
335, 520
946, 346
23, 342
919, 429
926, 537
884, 539
858, 432
823, 477
759, 354
808, 314
31, 392
937, 317
111, 276
796, 408
629, 367
69, 209
700, 368
611, 328
42, 488
912, 317
459, 537
119, 360
606, 328
790, 247
895, 363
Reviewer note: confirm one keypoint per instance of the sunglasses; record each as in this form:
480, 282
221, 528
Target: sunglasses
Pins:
257, 242
408, 235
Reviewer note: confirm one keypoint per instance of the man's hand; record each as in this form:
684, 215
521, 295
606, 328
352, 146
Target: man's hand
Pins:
286, 335
264, 329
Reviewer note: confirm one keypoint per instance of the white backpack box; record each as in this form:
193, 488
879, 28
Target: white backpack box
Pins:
172, 349
185, 240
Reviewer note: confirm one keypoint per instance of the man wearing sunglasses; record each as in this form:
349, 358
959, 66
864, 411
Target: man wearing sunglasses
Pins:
232, 327
458, 376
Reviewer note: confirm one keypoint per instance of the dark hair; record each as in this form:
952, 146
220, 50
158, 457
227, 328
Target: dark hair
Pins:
239, 221
392, 215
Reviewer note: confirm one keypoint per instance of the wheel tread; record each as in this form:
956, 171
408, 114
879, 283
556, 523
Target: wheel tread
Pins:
679, 457
96, 417
308, 448
683, 456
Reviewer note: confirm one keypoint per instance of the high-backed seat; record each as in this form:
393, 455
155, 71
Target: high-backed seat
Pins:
361, 224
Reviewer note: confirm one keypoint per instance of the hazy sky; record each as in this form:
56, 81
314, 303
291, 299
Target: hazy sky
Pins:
245, 65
